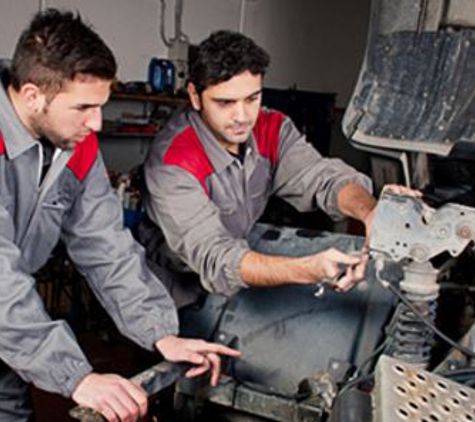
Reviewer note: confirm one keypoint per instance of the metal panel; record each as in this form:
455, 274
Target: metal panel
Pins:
405, 393
408, 15
416, 86
286, 333
461, 13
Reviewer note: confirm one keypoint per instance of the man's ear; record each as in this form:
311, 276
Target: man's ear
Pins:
194, 96
33, 96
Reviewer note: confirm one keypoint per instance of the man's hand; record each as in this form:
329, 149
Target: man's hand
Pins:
402, 190
198, 352
328, 264
114, 397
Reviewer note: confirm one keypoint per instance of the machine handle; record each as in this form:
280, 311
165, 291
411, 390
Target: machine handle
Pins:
151, 380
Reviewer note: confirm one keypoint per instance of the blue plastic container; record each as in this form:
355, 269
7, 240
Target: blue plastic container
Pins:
161, 75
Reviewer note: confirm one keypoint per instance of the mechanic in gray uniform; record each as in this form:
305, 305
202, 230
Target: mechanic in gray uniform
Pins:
212, 169
53, 185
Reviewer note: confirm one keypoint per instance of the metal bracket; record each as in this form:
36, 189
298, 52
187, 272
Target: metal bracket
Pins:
405, 227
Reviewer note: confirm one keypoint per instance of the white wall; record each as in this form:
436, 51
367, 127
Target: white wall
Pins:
314, 44
13, 18
128, 26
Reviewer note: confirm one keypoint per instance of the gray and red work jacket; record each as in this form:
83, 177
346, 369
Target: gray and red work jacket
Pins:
74, 202
206, 201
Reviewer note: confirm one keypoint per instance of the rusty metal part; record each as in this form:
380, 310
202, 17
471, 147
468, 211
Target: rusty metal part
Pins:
320, 390
250, 399
406, 228
406, 393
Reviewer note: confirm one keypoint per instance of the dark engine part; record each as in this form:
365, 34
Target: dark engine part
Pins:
288, 335
298, 349
352, 406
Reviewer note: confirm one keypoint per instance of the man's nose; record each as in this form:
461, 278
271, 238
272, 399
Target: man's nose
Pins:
240, 112
94, 119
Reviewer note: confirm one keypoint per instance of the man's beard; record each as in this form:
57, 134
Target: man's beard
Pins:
41, 127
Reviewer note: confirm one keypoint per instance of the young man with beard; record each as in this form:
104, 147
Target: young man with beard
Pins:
212, 169
53, 185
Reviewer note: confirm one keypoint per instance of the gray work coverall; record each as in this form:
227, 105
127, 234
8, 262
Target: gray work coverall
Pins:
206, 201
74, 202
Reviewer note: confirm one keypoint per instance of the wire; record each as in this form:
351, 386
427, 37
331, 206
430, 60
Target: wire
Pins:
458, 372
468, 380
163, 34
242, 15
355, 381
179, 34
357, 377
375, 353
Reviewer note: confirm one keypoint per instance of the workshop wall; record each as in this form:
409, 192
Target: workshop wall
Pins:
314, 45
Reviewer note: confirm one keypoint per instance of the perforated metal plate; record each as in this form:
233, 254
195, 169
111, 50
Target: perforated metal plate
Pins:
405, 393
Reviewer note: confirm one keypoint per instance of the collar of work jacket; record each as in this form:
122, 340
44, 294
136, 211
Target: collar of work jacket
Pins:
219, 157
15, 140
15, 136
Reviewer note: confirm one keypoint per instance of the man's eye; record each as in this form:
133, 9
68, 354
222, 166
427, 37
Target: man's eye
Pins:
224, 103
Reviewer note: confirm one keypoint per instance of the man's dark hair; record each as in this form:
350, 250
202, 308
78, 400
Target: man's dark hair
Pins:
55, 48
225, 54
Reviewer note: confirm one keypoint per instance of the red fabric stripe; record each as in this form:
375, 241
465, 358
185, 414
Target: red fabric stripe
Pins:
187, 152
266, 133
84, 156
2, 145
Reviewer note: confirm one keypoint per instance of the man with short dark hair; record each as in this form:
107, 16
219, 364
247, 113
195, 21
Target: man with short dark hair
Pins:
212, 169
53, 185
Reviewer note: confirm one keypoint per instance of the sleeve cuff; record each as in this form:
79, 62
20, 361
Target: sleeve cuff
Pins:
231, 275
68, 381
159, 328
235, 275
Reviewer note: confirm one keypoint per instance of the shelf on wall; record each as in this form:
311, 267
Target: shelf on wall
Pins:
127, 135
110, 131
149, 98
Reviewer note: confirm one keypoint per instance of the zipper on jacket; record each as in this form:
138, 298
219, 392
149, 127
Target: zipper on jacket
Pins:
247, 201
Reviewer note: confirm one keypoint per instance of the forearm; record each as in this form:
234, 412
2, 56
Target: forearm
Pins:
355, 201
259, 270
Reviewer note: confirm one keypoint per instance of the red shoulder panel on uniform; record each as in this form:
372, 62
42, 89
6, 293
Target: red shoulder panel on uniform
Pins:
2, 145
84, 156
266, 133
187, 152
